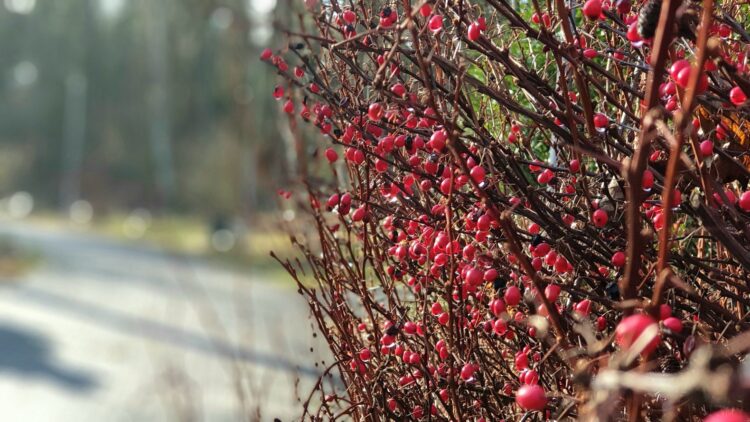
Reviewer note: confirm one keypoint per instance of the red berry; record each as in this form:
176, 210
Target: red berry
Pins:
673, 324
647, 181
552, 292
477, 174
473, 32
584, 307
289, 107
683, 77
360, 213
574, 166
467, 372
349, 16
512, 296
630, 329
500, 327
531, 397
482, 23
365, 355
737, 96
497, 306
632, 34
375, 111
728, 415
707, 148
522, 361
266, 54
590, 53
724, 31
618, 259
744, 201
331, 155
601, 323
600, 218
601, 120
546, 19
592, 9
436, 23
398, 90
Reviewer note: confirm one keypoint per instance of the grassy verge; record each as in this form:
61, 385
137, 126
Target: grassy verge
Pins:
191, 236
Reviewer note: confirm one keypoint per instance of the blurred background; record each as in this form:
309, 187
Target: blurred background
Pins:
140, 158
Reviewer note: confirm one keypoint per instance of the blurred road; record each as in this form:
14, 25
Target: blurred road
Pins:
105, 331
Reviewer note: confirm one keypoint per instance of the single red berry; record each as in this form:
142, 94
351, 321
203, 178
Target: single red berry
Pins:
647, 181
500, 327
545, 176
744, 201
477, 174
583, 307
473, 32
522, 361
683, 77
349, 16
633, 35
630, 329
436, 23
590, 53
600, 218
706, 148
724, 31
600, 120
365, 355
360, 213
266, 54
289, 107
673, 324
398, 89
482, 23
546, 20
531, 397
467, 372
512, 296
728, 415
375, 111
737, 96
497, 306
601, 323
552, 292
331, 155
618, 259
392, 404
574, 166
592, 9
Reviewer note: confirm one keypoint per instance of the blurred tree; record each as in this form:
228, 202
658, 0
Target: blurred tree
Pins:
155, 103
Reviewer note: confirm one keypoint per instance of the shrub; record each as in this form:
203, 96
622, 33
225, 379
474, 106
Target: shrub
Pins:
524, 217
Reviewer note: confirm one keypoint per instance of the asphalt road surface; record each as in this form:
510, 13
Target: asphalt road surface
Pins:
107, 331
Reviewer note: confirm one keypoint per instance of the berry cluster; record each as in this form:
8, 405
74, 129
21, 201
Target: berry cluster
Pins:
524, 200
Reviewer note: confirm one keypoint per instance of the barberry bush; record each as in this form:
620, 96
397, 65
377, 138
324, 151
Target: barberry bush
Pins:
524, 209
